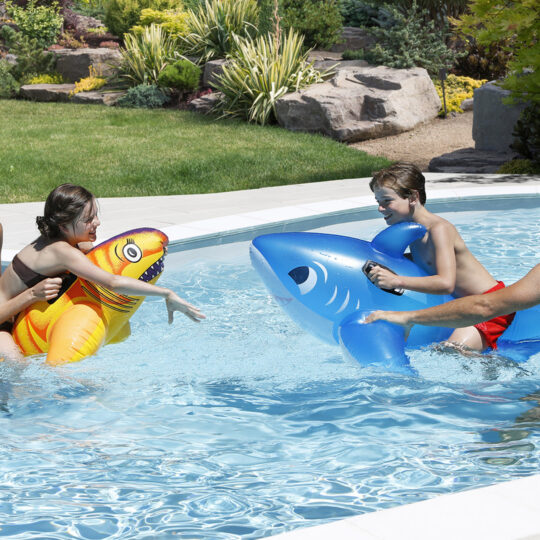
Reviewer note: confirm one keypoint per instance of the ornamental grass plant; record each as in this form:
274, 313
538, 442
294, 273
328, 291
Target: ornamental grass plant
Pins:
261, 71
214, 25
146, 54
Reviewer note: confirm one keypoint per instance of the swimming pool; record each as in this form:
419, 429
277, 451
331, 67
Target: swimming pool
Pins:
245, 426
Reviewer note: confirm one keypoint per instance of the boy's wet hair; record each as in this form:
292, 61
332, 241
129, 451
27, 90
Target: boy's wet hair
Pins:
403, 178
63, 206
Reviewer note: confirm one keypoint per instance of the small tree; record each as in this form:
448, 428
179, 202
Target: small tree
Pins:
410, 40
516, 24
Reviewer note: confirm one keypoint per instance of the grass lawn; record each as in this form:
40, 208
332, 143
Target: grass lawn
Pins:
132, 152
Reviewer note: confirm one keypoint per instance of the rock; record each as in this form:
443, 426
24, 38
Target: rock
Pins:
467, 104
360, 103
47, 92
352, 39
470, 160
211, 70
205, 104
327, 64
10, 59
98, 98
493, 121
73, 64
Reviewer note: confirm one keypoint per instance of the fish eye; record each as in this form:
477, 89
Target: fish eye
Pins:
132, 252
305, 277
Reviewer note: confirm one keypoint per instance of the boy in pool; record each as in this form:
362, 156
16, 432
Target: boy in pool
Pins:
452, 269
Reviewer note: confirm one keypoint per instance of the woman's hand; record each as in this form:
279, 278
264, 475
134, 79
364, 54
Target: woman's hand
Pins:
384, 279
175, 303
46, 289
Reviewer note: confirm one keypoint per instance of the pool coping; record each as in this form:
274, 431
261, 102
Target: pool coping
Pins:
245, 226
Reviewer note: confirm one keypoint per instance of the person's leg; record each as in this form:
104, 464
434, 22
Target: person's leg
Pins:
8, 348
469, 337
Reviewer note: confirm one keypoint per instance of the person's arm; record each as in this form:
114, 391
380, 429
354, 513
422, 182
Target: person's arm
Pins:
444, 279
44, 290
470, 310
77, 263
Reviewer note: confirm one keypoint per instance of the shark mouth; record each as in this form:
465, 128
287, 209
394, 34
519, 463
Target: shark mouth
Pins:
153, 271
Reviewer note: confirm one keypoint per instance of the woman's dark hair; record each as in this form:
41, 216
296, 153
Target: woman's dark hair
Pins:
62, 207
403, 178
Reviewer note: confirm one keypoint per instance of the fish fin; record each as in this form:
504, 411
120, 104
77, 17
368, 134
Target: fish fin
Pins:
377, 344
78, 332
121, 335
394, 239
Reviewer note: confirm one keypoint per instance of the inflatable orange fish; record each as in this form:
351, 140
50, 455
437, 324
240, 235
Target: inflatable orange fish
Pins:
85, 316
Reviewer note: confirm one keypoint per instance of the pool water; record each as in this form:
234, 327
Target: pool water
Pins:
245, 426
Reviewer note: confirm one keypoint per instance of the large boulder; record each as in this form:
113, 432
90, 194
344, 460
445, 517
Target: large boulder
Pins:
493, 120
360, 103
74, 64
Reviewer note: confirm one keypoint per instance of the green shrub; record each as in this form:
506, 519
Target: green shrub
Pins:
8, 85
144, 96
32, 60
527, 133
8, 35
260, 72
362, 14
39, 22
318, 20
266, 16
456, 89
46, 78
173, 22
121, 15
213, 25
146, 55
515, 25
520, 166
411, 41
183, 75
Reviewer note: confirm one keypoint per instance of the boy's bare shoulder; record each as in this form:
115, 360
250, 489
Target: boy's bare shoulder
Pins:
438, 224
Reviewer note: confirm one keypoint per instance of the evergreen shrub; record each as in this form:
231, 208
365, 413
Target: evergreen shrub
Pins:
39, 22
183, 76
8, 84
121, 15
412, 41
144, 96
319, 21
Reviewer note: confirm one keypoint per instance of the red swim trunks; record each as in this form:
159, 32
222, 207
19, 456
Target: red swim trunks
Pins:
492, 330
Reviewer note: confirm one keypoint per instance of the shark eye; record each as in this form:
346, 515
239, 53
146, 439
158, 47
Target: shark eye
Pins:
132, 252
305, 277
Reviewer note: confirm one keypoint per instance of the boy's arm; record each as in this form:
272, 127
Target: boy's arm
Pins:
471, 310
444, 279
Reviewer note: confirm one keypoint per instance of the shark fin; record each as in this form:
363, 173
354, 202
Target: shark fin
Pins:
378, 344
394, 239
121, 335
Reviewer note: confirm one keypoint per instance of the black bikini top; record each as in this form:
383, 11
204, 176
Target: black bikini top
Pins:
27, 275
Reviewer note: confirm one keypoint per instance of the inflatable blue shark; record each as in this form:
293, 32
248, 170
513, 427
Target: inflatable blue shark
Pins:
321, 281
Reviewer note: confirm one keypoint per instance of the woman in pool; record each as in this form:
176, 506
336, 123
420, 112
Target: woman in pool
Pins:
68, 230
442, 253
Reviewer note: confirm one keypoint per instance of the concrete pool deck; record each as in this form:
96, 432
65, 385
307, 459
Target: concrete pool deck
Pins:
506, 511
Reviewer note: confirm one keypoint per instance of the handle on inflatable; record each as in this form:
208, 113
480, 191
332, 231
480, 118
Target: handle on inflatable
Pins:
379, 343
